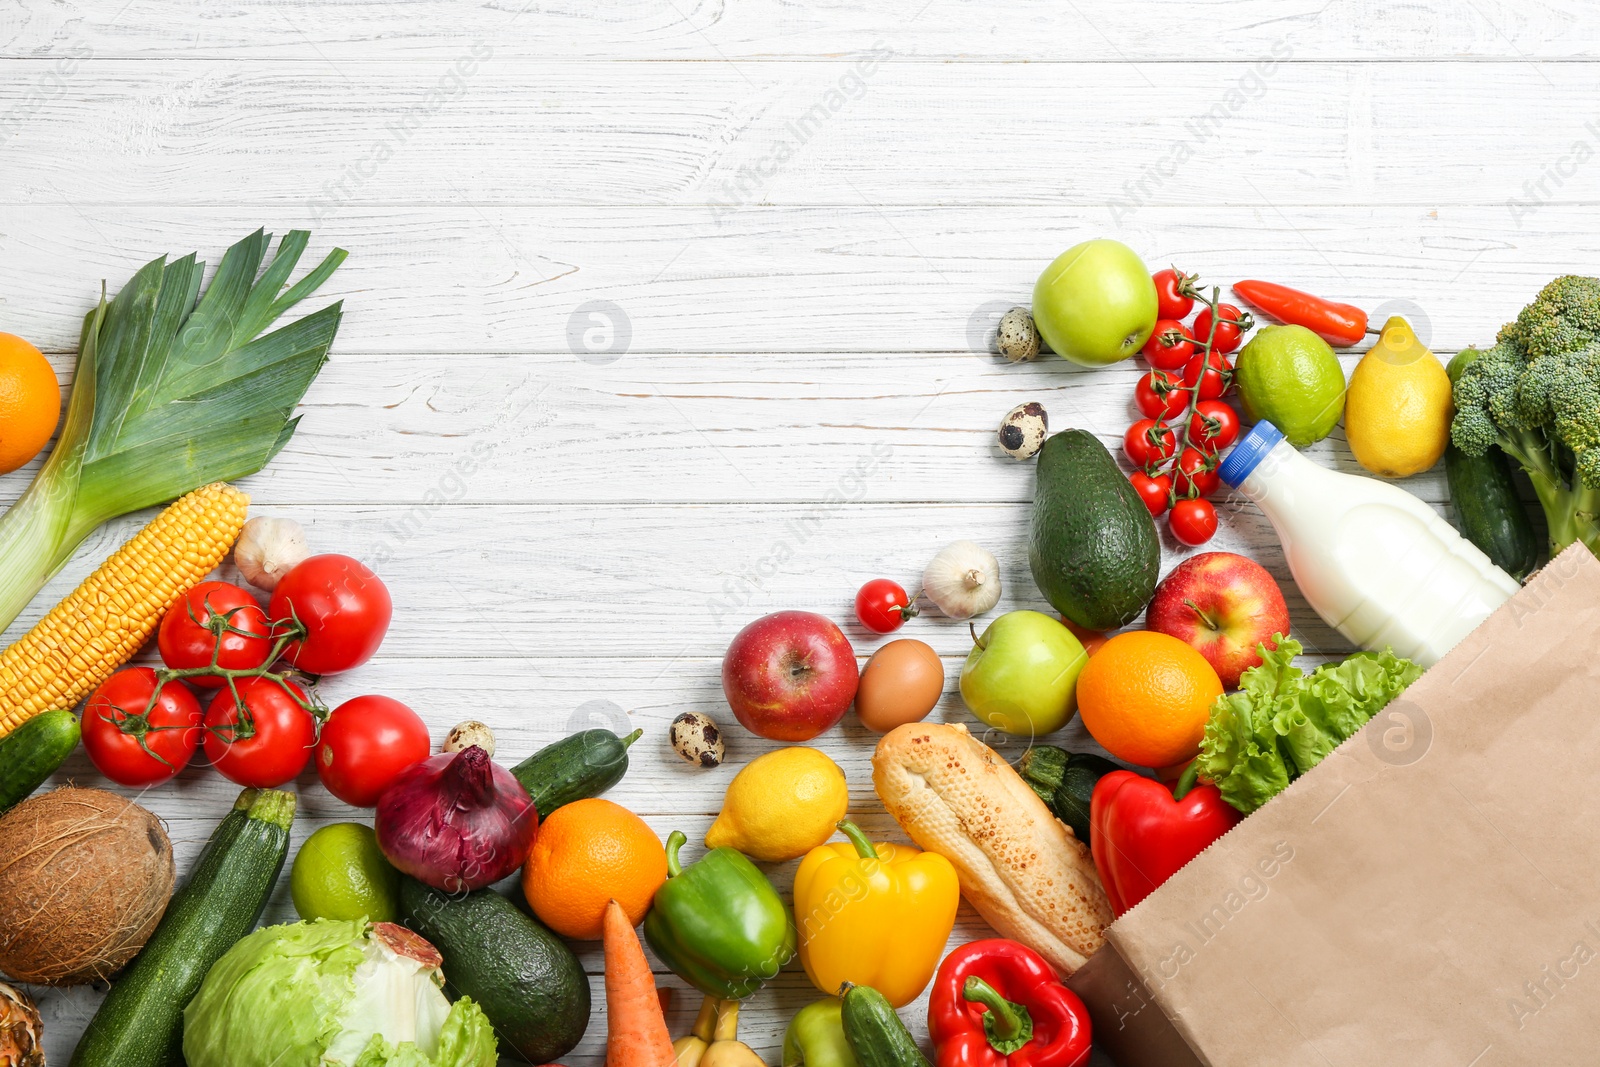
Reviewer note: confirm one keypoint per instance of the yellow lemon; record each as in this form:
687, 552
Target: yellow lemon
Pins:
1397, 409
781, 806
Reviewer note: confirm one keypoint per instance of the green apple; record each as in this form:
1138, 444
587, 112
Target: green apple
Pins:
1022, 676
1096, 304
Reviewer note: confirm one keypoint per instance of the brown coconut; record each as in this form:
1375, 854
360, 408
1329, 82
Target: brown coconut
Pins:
85, 875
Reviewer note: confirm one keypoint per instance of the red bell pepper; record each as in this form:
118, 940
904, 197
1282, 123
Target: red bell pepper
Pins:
1140, 833
1337, 324
996, 1002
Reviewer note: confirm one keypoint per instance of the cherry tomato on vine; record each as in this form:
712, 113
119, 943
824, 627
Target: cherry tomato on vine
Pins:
1170, 345
882, 606
1207, 370
343, 607
1144, 447
1171, 301
1153, 489
135, 748
1229, 327
186, 639
364, 746
268, 746
1194, 468
1214, 425
1160, 395
1193, 522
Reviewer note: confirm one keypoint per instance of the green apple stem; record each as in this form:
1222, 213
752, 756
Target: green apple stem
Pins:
975, 638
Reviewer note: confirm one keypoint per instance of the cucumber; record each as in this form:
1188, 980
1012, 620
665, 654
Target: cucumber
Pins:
875, 1032
525, 978
140, 1023
1489, 511
32, 752
583, 765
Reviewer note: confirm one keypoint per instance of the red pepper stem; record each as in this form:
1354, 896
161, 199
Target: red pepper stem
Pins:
864, 847
1187, 780
1008, 1025
675, 841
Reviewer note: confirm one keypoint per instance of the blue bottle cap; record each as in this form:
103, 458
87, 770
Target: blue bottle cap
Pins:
1249, 452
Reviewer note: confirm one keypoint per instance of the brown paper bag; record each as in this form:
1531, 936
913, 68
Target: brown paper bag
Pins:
1427, 895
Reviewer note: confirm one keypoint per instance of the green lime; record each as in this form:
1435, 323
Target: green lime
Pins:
1290, 377
340, 874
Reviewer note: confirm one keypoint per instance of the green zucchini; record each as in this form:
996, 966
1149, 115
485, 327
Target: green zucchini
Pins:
1489, 511
32, 752
875, 1033
140, 1023
1065, 781
525, 978
583, 765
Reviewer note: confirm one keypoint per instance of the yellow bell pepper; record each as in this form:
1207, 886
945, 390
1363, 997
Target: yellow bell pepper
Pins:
874, 915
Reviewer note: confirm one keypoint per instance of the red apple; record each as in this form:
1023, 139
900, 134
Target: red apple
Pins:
790, 675
1222, 605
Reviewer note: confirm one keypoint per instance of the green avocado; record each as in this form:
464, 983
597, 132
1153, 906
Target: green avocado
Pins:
1092, 544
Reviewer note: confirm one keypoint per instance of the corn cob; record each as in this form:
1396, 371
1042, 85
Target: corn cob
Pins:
102, 623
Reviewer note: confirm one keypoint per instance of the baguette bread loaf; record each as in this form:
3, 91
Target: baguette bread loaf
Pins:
1019, 866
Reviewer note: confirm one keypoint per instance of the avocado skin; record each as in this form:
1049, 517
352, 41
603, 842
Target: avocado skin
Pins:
1092, 544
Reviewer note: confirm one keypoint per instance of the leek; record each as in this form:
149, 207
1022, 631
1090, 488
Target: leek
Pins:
172, 391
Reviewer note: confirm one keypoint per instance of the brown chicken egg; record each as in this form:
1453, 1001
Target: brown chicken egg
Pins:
901, 683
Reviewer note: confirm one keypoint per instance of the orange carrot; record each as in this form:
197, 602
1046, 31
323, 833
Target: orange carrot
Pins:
637, 1030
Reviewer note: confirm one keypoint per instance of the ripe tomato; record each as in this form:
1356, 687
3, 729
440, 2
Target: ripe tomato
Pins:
343, 607
1171, 301
1159, 395
1230, 325
364, 746
1154, 490
1197, 468
130, 747
882, 606
1193, 521
1144, 445
1211, 368
186, 639
1170, 345
1214, 425
271, 744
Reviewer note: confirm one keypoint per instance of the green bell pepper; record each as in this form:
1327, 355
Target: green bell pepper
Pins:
815, 1037
718, 924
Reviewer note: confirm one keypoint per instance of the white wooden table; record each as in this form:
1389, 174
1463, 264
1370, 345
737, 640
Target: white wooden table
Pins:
796, 223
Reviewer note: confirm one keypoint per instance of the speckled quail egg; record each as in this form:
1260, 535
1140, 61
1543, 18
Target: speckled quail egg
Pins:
469, 733
1023, 432
697, 738
1017, 336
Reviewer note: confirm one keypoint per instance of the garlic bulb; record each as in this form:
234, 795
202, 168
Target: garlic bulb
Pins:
267, 549
963, 580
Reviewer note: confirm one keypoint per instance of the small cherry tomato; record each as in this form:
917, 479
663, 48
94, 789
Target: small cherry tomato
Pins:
1145, 445
1160, 395
1208, 370
1214, 425
343, 608
1170, 345
1198, 469
135, 748
1193, 521
210, 614
1154, 490
364, 746
1230, 326
882, 606
270, 742
1171, 301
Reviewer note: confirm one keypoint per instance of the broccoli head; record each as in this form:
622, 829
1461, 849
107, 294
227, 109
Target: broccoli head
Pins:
1564, 317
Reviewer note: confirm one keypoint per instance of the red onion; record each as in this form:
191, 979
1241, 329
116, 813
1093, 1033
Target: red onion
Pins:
457, 821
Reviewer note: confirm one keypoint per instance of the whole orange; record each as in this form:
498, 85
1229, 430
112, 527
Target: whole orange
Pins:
587, 853
1146, 696
30, 402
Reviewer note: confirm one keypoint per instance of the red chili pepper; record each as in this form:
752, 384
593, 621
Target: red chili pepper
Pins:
1337, 324
996, 1002
1141, 833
